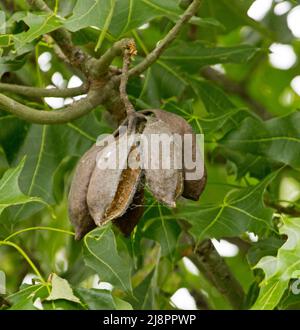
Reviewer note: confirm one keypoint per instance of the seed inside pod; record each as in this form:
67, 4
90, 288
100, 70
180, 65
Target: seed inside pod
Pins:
127, 222
112, 185
78, 208
162, 166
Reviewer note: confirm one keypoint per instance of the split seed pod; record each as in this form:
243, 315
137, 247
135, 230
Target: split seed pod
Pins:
112, 189
127, 222
163, 173
192, 188
106, 187
78, 208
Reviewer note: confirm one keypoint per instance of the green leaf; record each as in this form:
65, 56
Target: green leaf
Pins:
38, 24
280, 269
61, 289
101, 254
10, 193
12, 133
8, 64
166, 233
231, 14
266, 247
46, 148
127, 14
192, 56
257, 166
161, 82
5, 40
241, 210
277, 139
24, 298
122, 305
222, 113
144, 294
96, 299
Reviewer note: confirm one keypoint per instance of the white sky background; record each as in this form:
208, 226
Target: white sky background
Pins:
282, 57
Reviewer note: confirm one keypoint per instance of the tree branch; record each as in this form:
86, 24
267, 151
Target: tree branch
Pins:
167, 40
96, 96
92, 68
97, 67
200, 300
216, 271
234, 87
43, 92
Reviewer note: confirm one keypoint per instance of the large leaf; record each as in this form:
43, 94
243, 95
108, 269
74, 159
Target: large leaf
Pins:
280, 269
231, 14
9, 63
96, 299
222, 113
126, 14
24, 298
166, 232
39, 24
144, 294
101, 254
12, 133
241, 210
277, 139
61, 289
46, 147
10, 193
192, 56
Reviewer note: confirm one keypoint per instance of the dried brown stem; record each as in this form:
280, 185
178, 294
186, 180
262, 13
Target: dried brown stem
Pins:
123, 83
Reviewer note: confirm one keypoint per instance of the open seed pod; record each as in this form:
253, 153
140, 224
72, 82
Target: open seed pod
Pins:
192, 188
112, 185
163, 173
108, 187
78, 208
127, 222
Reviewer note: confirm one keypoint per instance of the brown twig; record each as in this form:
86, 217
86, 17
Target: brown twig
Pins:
43, 92
167, 40
101, 88
97, 95
123, 83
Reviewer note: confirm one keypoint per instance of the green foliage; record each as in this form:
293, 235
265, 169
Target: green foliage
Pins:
100, 253
280, 269
10, 193
250, 160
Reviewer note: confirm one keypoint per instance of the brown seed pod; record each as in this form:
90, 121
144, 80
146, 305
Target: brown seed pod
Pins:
127, 222
192, 188
165, 184
111, 190
78, 208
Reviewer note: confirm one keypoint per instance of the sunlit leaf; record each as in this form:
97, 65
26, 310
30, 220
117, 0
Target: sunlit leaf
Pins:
280, 269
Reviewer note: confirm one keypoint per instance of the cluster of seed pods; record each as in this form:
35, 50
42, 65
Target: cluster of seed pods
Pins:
100, 194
